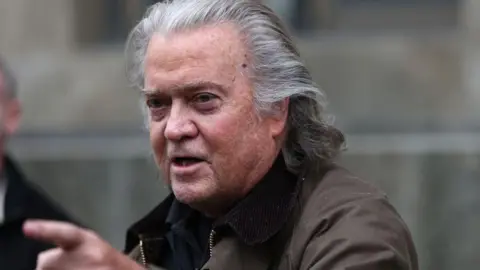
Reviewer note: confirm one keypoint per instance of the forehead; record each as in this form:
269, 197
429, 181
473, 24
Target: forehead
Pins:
208, 53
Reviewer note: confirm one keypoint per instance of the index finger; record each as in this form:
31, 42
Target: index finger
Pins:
64, 235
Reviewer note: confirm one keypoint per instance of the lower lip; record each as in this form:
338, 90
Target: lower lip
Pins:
186, 170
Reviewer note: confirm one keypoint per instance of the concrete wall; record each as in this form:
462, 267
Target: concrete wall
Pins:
418, 81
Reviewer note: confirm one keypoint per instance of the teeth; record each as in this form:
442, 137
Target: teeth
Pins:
184, 162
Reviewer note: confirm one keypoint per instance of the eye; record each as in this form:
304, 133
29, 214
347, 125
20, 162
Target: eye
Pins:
158, 107
155, 102
205, 101
204, 97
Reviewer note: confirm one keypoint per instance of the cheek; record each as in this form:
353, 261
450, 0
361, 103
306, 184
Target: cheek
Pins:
227, 134
222, 130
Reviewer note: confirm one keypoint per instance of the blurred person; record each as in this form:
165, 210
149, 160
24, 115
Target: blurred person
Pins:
19, 199
239, 131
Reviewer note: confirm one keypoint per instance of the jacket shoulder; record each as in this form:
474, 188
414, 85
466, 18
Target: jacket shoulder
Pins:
28, 199
338, 186
346, 221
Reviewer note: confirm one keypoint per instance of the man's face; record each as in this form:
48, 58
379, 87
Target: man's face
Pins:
209, 143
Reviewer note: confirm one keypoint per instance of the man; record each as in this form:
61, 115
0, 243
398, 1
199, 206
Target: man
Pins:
19, 200
238, 130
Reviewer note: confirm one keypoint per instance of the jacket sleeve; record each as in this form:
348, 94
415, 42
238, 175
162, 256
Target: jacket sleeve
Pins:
361, 235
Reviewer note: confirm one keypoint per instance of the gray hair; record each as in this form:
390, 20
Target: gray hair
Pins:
9, 80
277, 71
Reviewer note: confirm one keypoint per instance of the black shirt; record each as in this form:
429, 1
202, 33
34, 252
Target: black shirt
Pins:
187, 238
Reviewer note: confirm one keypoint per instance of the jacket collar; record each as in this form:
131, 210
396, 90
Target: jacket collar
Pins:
265, 210
255, 219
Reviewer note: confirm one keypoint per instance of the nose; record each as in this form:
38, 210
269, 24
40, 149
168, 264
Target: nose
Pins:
179, 125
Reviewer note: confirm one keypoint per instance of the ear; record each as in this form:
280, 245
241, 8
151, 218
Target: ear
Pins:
12, 116
278, 120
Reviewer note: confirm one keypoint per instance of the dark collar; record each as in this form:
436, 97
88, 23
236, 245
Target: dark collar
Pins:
255, 219
264, 211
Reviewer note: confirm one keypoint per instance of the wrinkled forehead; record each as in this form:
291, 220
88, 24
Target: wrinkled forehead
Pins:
211, 52
221, 42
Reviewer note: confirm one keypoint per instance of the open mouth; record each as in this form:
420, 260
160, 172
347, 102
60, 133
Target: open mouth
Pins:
186, 161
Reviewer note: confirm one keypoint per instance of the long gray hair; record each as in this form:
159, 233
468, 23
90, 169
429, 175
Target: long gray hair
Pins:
277, 71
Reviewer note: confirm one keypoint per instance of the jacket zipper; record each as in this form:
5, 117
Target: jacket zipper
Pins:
142, 254
211, 241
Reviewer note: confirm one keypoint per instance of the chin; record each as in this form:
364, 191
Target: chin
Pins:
189, 195
204, 201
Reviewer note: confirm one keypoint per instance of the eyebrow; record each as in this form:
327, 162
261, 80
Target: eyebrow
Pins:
183, 88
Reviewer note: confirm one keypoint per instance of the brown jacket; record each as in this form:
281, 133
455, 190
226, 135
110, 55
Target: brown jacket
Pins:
337, 222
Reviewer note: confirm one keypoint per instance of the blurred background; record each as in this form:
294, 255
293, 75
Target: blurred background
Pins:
403, 78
